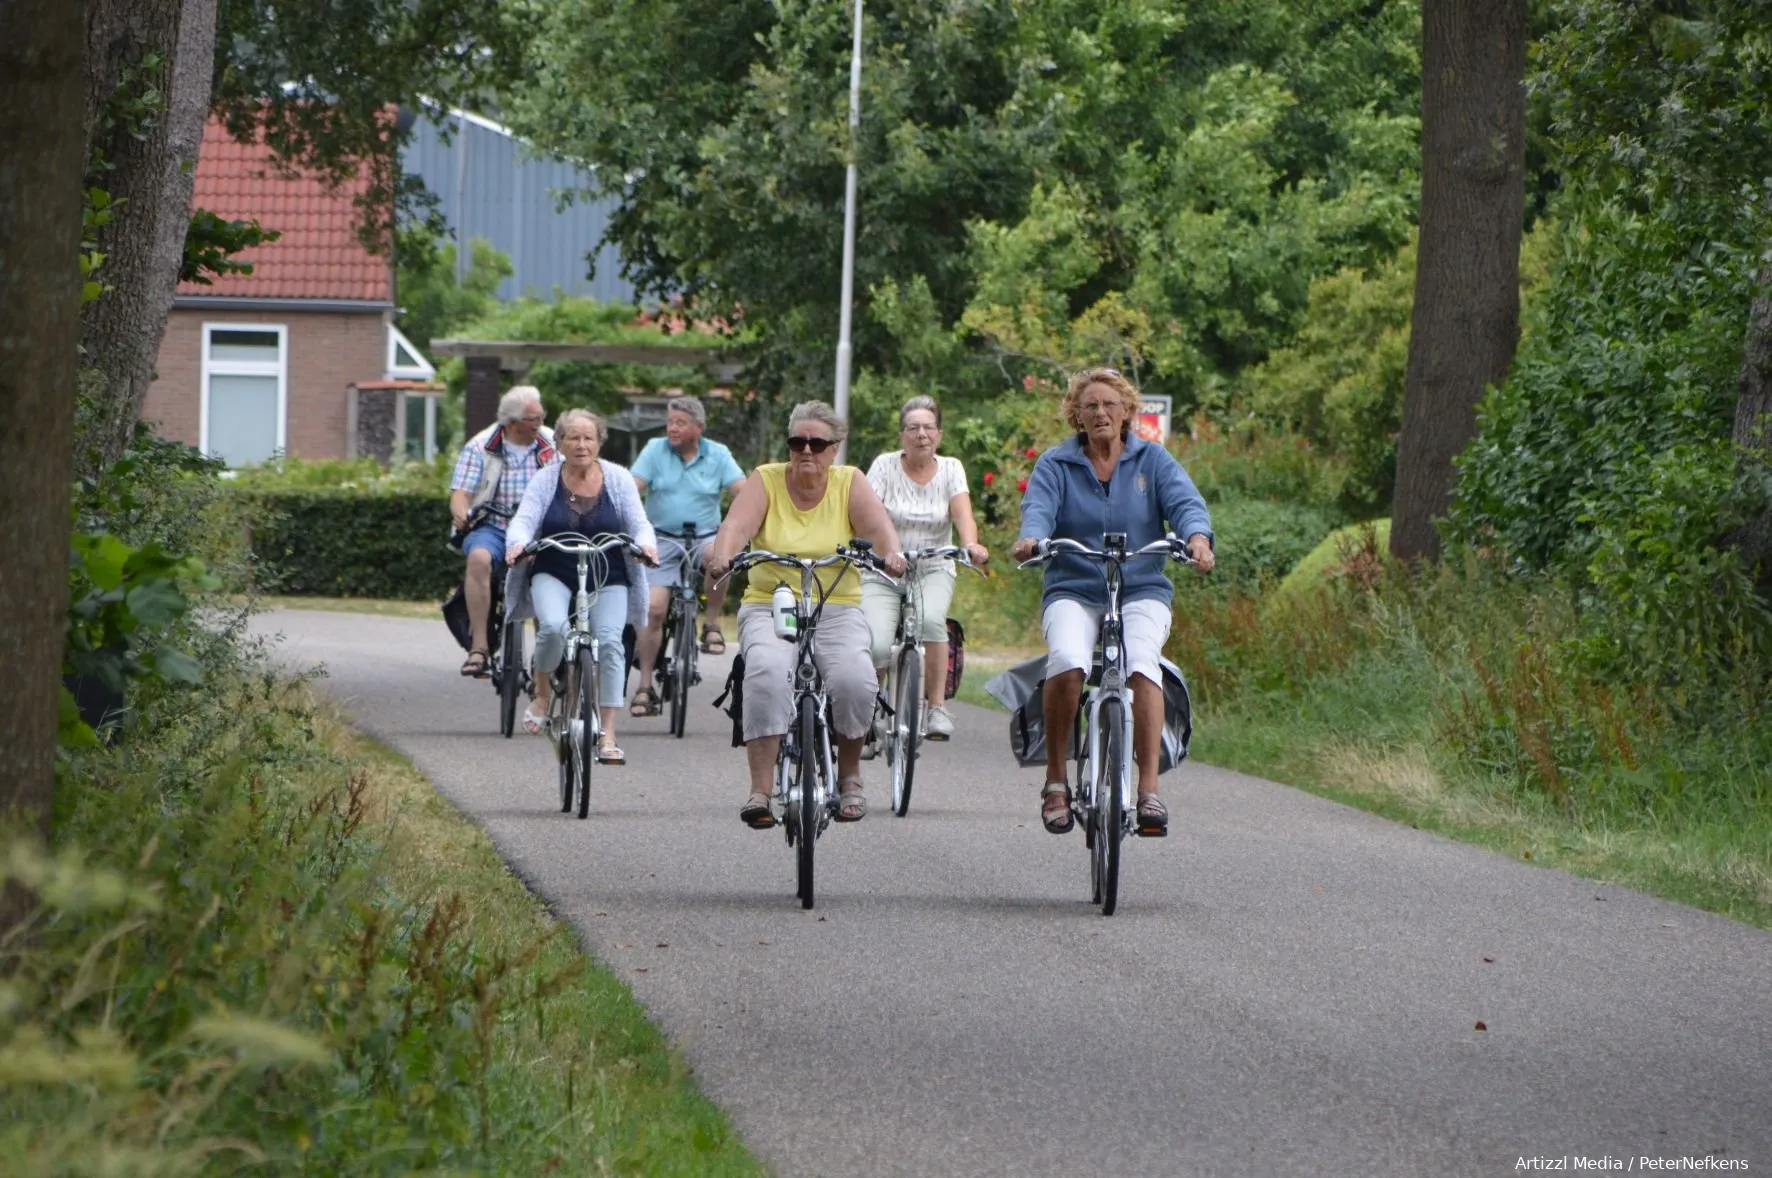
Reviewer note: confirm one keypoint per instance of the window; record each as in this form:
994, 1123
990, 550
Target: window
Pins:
404, 360
245, 391
420, 413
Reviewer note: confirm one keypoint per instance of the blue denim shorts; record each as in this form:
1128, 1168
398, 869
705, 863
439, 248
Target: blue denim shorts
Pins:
491, 537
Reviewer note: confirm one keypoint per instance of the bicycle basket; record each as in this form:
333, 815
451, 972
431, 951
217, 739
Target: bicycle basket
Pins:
956, 657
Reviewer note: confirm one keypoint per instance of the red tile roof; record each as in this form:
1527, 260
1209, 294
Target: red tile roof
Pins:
318, 256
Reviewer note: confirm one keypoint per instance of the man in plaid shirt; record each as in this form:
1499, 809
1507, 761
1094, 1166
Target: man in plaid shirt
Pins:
490, 477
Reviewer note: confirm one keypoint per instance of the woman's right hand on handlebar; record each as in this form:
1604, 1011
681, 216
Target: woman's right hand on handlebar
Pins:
1026, 548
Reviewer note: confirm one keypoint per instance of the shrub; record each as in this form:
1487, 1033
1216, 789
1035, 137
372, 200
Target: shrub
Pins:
345, 543
1257, 543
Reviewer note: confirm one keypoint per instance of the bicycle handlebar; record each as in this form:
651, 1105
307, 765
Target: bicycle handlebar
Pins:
578, 544
1170, 545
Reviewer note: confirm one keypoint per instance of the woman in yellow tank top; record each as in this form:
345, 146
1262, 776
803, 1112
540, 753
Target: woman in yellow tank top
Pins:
806, 506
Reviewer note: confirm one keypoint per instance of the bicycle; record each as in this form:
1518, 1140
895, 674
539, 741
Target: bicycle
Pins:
509, 664
679, 646
575, 717
904, 681
805, 765
1103, 801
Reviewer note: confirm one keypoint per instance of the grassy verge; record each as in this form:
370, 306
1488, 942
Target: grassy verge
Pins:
357, 605
266, 943
1444, 705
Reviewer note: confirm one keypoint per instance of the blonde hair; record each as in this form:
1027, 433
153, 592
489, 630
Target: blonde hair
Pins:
563, 425
1070, 407
819, 411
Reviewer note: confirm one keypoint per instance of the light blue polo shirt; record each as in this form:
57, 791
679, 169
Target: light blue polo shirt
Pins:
679, 492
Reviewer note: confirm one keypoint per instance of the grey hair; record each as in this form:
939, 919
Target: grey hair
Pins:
510, 406
689, 405
572, 417
819, 411
920, 401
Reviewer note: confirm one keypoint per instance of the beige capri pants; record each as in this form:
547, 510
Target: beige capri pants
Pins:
933, 586
842, 658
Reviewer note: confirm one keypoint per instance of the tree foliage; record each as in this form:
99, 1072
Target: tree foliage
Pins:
1052, 180
1606, 455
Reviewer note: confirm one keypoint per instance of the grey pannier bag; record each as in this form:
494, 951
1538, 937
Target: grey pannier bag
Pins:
1020, 689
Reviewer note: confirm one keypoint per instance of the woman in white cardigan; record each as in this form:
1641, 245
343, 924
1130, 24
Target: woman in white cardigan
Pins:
584, 493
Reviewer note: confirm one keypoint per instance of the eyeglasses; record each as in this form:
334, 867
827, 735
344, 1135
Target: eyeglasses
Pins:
919, 429
796, 443
533, 419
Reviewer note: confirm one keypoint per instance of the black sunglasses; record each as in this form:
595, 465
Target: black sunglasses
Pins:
796, 443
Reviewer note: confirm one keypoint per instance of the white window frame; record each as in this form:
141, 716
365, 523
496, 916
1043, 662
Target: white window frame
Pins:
397, 371
280, 370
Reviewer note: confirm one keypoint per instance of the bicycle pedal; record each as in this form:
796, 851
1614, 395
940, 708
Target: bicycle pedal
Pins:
1152, 832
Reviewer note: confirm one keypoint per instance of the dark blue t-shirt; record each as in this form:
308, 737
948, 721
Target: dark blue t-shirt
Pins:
590, 520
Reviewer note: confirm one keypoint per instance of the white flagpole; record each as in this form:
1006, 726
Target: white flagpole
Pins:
845, 350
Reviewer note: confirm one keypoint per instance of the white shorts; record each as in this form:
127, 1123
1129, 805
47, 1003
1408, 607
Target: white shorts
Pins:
1071, 629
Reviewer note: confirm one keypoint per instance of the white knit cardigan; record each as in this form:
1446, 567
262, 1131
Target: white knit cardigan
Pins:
618, 484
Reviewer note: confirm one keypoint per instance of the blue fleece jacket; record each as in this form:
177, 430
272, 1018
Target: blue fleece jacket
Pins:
1065, 498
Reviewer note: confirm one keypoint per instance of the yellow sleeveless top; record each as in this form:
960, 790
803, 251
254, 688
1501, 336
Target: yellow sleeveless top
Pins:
813, 533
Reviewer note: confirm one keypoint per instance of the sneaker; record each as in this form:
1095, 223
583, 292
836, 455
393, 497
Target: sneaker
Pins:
938, 723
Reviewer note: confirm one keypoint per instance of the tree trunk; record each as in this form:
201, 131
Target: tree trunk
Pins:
42, 153
1467, 272
150, 182
1753, 422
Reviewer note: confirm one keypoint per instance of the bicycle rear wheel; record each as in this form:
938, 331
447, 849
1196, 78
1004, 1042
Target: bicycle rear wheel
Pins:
584, 729
682, 654
1110, 826
810, 803
907, 727
510, 678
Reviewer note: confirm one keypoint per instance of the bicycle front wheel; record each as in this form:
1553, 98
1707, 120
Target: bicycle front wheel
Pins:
584, 729
510, 678
682, 655
811, 804
1110, 824
907, 727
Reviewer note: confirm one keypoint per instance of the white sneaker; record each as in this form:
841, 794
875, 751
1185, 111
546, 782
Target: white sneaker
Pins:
938, 723
876, 740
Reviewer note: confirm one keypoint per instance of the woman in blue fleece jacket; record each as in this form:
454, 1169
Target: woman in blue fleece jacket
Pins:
1105, 479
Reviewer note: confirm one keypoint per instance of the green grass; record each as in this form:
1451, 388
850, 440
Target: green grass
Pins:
357, 605
265, 942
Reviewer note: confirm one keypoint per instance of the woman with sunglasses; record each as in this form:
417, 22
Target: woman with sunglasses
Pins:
926, 495
1105, 478
807, 506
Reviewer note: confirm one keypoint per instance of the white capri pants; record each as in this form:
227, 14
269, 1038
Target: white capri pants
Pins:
934, 587
842, 658
1071, 629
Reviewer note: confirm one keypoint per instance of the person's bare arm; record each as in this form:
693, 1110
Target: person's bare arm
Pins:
960, 508
742, 520
458, 508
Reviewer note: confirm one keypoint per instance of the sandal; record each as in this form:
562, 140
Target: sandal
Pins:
712, 641
756, 813
533, 720
851, 805
476, 664
1055, 808
1153, 817
609, 754
649, 706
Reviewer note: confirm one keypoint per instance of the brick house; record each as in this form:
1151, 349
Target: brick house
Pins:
301, 356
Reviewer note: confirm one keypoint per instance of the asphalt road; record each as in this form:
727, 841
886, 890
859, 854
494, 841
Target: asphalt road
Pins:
1289, 987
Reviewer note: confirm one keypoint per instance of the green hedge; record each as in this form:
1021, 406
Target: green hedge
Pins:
1257, 544
346, 543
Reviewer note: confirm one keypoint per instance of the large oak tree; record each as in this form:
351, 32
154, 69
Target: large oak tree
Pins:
1467, 277
41, 155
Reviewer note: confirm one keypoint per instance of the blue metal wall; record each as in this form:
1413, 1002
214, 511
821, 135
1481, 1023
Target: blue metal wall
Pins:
508, 195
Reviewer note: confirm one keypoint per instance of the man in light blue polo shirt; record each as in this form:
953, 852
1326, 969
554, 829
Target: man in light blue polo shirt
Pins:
681, 476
